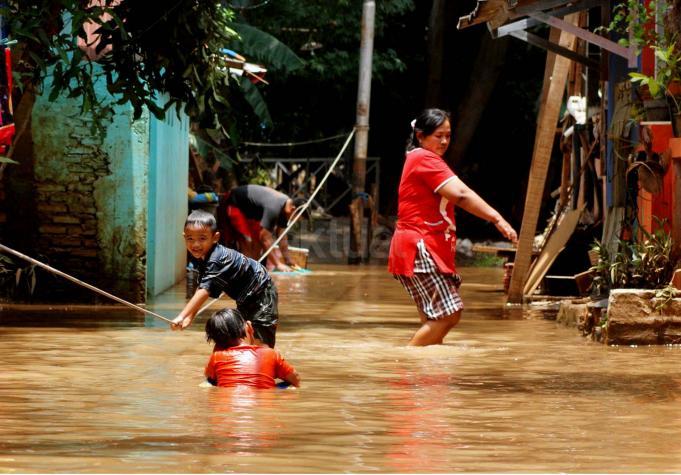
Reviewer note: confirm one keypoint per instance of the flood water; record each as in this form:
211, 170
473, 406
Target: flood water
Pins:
509, 391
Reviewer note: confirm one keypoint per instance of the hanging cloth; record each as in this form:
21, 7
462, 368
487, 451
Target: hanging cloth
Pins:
7, 129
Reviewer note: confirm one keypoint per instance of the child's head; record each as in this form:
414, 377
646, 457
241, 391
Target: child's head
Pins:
200, 233
226, 328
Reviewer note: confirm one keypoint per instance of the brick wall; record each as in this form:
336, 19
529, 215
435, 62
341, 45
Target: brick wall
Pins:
86, 225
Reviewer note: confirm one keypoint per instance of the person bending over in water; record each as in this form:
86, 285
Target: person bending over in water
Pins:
236, 361
222, 269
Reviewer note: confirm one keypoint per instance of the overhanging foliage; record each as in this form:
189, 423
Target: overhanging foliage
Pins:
150, 49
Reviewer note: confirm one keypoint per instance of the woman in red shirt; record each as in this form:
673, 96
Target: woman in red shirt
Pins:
423, 247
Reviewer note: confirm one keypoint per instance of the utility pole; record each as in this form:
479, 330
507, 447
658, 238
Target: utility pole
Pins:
362, 131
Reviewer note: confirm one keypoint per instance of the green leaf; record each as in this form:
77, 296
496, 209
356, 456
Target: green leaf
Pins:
256, 101
638, 76
654, 87
8, 160
266, 49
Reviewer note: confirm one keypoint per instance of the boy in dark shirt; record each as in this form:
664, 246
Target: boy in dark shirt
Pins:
222, 269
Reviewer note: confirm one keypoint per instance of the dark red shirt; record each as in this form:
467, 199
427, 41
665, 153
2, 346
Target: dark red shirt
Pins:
422, 214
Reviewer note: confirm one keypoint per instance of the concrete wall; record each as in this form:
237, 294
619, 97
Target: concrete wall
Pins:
93, 196
169, 162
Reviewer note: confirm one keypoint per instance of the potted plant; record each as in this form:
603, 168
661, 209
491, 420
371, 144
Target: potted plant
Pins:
637, 25
666, 82
637, 278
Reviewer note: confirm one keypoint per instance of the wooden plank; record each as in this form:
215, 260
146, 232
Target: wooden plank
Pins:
537, 40
529, 6
543, 146
554, 245
485, 10
526, 23
554, 37
629, 53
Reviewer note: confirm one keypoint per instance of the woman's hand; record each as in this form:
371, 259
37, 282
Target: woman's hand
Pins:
281, 267
506, 230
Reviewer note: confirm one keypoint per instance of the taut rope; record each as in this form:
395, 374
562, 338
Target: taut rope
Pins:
80, 282
297, 213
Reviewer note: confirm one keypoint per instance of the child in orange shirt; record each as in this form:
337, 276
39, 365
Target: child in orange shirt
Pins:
237, 361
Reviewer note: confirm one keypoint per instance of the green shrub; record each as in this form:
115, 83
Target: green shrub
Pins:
645, 264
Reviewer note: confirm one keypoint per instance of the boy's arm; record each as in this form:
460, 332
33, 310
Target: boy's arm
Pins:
186, 316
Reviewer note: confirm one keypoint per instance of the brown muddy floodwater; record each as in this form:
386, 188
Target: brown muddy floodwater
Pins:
510, 391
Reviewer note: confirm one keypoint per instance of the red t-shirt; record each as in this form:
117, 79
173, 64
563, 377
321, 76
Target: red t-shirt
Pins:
423, 214
247, 365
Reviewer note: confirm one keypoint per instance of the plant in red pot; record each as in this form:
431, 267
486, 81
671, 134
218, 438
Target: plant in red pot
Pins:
666, 82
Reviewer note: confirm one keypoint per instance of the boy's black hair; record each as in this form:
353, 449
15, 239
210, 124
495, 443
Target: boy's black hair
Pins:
201, 219
226, 327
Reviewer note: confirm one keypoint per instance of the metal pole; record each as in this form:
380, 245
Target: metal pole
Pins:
362, 126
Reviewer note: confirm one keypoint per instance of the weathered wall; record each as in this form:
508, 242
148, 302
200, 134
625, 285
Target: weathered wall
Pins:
91, 195
168, 165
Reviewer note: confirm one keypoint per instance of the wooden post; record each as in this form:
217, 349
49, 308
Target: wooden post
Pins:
362, 134
543, 146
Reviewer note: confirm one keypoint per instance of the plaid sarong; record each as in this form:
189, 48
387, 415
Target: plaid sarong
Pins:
435, 294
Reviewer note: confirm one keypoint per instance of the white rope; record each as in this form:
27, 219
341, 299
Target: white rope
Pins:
80, 282
297, 213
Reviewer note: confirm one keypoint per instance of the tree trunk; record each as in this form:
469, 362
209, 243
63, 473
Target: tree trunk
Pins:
484, 75
436, 45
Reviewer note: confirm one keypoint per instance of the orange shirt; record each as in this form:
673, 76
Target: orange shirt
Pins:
247, 365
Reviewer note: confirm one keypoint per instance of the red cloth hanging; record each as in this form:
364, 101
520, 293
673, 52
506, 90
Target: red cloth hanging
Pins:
7, 128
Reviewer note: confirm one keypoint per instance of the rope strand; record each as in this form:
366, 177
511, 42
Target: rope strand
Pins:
297, 213
80, 282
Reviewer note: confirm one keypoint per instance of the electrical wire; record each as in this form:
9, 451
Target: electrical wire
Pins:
294, 144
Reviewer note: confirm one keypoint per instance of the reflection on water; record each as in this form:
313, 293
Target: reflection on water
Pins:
509, 391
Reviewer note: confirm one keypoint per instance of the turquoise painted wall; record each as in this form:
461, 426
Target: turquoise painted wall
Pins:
168, 182
113, 206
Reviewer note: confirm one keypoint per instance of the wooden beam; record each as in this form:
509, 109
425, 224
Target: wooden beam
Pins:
629, 53
526, 23
536, 40
528, 7
497, 12
543, 147
485, 10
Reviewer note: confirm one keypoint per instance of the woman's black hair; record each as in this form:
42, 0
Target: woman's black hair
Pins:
201, 219
427, 122
226, 327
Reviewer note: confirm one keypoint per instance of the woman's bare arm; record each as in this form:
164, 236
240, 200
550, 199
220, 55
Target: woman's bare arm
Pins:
456, 191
